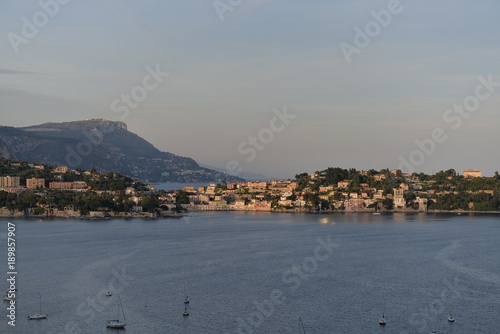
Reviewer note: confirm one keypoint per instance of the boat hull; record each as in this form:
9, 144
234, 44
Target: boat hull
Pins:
116, 324
37, 316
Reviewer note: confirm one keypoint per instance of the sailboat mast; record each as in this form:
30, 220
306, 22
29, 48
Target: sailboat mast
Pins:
301, 326
123, 312
383, 313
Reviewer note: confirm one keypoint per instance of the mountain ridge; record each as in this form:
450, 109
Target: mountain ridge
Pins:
105, 145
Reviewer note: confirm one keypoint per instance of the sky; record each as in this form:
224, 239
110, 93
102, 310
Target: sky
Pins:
276, 87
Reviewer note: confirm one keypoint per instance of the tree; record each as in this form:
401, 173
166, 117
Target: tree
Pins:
325, 205
311, 198
410, 197
182, 197
388, 203
334, 175
150, 203
388, 189
337, 196
302, 180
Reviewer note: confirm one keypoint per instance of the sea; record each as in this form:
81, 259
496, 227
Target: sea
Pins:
257, 273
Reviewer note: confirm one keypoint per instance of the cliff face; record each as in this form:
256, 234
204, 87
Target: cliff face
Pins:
104, 145
4, 151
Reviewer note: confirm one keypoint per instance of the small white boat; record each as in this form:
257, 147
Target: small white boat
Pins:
186, 312
117, 323
434, 332
109, 294
39, 315
8, 299
451, 319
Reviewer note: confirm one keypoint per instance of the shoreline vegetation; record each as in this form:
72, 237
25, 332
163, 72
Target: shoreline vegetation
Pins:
128, 215
93, 215
36, 190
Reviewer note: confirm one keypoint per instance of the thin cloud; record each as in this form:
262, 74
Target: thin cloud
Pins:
9, 71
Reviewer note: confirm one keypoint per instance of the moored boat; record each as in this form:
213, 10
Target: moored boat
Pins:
118, 323
39, 315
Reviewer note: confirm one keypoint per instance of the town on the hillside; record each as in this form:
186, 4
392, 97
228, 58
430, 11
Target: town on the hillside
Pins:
342, 190
28, 189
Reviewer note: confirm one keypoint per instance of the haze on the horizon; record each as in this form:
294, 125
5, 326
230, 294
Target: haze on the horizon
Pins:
227, 76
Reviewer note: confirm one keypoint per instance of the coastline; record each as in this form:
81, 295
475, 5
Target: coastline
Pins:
313, 211
146, 215
93, 215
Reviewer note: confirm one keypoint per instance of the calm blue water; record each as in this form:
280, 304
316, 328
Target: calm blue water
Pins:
424, 265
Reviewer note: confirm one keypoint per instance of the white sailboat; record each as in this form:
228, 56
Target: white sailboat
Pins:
117, 323
39, 315
382, 320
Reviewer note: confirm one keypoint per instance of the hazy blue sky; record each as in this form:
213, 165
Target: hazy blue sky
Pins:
226, 77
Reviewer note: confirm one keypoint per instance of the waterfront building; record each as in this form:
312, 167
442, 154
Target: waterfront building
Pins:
399, 201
